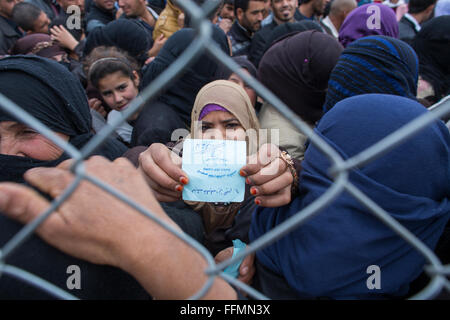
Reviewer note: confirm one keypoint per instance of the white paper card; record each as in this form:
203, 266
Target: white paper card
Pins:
213, 170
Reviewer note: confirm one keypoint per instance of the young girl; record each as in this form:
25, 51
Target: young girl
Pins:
116, 77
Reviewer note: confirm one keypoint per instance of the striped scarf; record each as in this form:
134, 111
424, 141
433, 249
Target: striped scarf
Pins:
374, 64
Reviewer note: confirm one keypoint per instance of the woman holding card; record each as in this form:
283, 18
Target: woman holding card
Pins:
328, 256
222, 110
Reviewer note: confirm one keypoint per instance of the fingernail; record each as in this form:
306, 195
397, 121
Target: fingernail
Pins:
184, 180
243, 173
248, 181
179, 188
253, 191
244, 271
258, 202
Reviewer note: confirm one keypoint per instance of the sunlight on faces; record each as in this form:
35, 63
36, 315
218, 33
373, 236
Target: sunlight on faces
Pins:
252, 18
227, 12
17, 139
118, 90
132, 8
284, 10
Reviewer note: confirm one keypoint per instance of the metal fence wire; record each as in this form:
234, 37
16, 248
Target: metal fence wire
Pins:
436, 271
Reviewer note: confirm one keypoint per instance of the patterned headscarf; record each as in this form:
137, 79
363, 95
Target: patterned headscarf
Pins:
375, 64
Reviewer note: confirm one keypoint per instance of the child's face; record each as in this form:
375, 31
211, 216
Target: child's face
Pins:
118, 90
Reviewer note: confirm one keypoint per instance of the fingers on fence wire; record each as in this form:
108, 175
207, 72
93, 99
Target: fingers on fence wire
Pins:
85, 226
162, 170
21, 203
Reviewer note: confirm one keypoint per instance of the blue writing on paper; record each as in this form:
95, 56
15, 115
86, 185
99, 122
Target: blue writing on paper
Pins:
213, 170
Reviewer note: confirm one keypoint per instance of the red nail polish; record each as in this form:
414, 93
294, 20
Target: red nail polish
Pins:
179, 188
247, 181
242, 173
258, 202
184, 180
253, 191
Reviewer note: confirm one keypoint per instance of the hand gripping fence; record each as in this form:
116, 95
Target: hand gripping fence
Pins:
339, 170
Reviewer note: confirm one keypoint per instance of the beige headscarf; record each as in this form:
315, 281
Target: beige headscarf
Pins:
232, 97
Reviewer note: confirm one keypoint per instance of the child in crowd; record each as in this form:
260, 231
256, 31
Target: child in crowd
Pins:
116, 77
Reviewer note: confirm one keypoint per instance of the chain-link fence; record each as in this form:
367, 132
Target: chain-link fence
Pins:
339, 170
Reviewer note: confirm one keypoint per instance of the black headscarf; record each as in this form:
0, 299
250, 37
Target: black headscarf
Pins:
50, 93
432, 45
282, 30
181, 95
297, 69
126, 34
264, 39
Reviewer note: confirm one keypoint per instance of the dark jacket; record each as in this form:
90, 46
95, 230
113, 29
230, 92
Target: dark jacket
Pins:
98, 17
8, 35
240, 39
406, 30
259, 42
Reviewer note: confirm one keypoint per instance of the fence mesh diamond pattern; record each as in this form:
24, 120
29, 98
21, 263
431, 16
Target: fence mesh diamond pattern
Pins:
339, 170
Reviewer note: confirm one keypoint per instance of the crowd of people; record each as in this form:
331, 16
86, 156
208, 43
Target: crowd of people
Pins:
354, 71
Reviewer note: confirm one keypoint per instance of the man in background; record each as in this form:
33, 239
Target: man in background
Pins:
312, 9
101, 13
138, 9
226, 16
249, 15
30, 18
50, 7
409, 25
283, 11
338, 12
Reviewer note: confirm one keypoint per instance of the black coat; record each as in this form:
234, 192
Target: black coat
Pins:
240, 40
8, 35
406, 30
259, 43
98, 17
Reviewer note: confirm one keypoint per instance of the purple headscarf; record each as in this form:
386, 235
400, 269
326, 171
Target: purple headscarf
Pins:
367, 20
210, 108
39, 44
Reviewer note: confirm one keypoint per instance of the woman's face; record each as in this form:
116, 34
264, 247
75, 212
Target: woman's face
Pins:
17, 139
118, 90
250, 92
222, 125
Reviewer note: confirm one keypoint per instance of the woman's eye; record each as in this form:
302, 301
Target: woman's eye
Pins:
232, 125
28, 132
205, 127
122, 87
